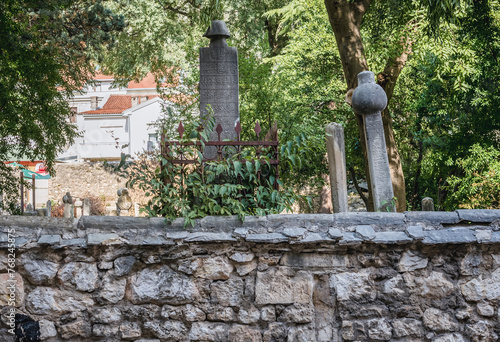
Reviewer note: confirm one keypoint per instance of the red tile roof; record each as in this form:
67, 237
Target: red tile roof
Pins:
117, 104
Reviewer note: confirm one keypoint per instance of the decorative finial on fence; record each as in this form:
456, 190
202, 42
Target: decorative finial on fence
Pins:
180, 129
219, 130
257, 129
237, 129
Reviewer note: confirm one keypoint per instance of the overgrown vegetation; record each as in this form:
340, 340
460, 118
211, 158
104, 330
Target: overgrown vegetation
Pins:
240, 184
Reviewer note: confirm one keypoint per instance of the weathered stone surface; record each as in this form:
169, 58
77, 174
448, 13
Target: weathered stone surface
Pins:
106, 315
416, 232
168, 330
435, 285
407, 327
455, 337
485, 309
242, 257
113, 290
411, 261
193, 314
297, 313
207, 331
161, 285
352, 329
470, 263
335, 233
170, 311
438, 320
222, 314
481, 331
73, 243
365, 232
350, 239
123, 265
484, 236
104, 330
218, 267
306, 260
227, 293
394, 286
244, 269
104, 239
389, 238
47, 329
267, 238
130, 330
38, 271
335, 149
432, 217
268, 313
299, 333
294, 232
209, 237
486, 288
242, 333
11, 289
280, 286
379, 329
479, 215
49, 240
351, 286
375, 218
77, 328
275, 332
249, 314
82, 275
453, 235
46, 301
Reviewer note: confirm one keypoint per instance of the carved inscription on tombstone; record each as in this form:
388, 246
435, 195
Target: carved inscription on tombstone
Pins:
219, 80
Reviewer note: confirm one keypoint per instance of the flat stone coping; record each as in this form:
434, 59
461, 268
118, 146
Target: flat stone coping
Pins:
343, 229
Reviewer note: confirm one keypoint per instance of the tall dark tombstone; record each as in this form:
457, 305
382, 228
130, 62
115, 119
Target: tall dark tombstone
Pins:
219, 80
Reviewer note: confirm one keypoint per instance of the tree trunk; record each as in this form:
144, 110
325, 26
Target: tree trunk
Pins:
387, 80
345, 18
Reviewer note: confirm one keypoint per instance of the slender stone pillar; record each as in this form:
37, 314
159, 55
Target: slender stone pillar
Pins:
219, 80
369, 100
427, 204
86, 207
335, 148
49, 208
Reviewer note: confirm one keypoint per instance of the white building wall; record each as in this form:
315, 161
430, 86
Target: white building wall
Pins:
142, 121
104, 136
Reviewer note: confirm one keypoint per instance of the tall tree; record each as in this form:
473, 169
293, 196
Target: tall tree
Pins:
346, 18
46, 52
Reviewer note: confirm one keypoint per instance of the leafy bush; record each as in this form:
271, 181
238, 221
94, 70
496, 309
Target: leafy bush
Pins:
479, 185
241, 184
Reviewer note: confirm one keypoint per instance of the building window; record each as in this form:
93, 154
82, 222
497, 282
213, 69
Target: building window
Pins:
152, 141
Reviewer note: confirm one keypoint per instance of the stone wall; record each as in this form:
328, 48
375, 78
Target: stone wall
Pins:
89, 177
421, 276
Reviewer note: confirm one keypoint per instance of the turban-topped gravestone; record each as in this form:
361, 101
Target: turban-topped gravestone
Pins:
219, 80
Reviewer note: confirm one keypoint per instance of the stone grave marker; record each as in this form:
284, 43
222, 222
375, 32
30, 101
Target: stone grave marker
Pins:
219, 81
369, 100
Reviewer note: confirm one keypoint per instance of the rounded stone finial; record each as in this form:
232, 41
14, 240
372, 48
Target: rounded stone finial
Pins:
124, 201
67, 198
368, 97
218, 28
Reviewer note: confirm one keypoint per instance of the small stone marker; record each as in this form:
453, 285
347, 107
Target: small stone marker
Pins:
78, 207
137, 210
369, 99
29, 207
124, 202
68, 206
219, 85
335, 148
427, 204
49, 208
86, 207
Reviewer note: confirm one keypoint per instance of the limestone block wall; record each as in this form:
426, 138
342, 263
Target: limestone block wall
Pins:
345, 277
88, 177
